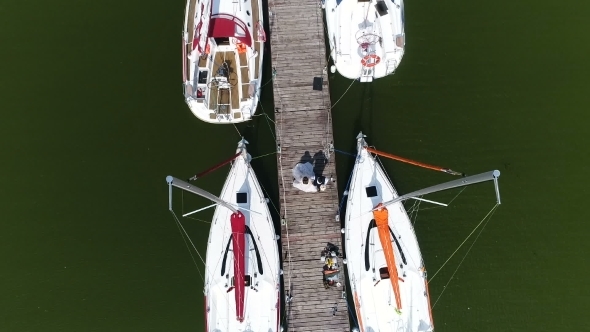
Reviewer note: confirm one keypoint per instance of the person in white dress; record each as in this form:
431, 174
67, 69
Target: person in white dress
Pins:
303, 177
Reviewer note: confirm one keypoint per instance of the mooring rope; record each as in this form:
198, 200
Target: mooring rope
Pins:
264, 155
342, 96
239, 134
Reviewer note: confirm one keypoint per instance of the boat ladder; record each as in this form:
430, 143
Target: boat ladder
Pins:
367, 74
390, 66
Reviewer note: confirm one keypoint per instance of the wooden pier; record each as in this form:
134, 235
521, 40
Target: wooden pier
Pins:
304, 132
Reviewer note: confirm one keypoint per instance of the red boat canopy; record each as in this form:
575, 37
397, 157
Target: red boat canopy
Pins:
224, 25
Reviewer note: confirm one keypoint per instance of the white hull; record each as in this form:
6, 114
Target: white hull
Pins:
369, 31
223, 47
373, 293
262, 265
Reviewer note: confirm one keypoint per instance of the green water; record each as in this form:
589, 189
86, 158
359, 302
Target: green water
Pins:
93, 121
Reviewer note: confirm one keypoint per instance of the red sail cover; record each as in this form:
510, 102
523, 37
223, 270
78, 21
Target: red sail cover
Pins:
381, 216
238, 230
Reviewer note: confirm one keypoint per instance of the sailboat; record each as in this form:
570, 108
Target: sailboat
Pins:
222, 54
387, 275
242, 278
367, 38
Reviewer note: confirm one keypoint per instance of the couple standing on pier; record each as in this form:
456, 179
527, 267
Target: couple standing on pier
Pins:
307, 176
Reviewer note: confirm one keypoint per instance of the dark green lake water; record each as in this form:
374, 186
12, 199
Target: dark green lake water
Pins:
94, 120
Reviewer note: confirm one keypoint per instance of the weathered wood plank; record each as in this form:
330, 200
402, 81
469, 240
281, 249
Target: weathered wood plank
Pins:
303, 127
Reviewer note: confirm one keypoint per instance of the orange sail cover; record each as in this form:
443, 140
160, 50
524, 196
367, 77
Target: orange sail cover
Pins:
381, 216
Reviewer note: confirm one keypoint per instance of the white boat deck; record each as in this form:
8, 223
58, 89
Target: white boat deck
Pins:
369, 275
357, 29
229, 95
262, 260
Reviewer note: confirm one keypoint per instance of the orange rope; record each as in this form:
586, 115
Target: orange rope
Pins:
413, 162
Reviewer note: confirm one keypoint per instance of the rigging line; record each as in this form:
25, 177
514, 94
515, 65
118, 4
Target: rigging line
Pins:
205, 221
413, 162
384, 171
257, 238
271, 202
178, 225
237, 130
377, 160
268, 123
334, 105
269, 220
346, 153
186, 234
264, 155
289, 270
449, 203
274, 73
269, 119
277, 139
214, 168
415, 210
451, 278
415, 207
285, 216
412, 209
462, 243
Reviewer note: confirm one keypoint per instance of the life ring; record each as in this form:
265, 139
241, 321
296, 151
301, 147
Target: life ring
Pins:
370, 60
241, 47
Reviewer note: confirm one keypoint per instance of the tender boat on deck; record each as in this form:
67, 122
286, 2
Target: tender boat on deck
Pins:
367, 38
223, 47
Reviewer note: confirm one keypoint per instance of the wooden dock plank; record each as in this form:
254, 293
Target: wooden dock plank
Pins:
303, 125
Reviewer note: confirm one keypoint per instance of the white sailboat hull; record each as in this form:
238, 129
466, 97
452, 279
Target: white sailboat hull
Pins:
373, 295
223, 48
262, 265
367, 38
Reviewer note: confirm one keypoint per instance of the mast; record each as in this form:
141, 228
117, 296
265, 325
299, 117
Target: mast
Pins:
241, 151
221, 164
413, 162
482, 177
360, 139
172, 181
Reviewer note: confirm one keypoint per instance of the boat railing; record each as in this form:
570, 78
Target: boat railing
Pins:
390, 66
